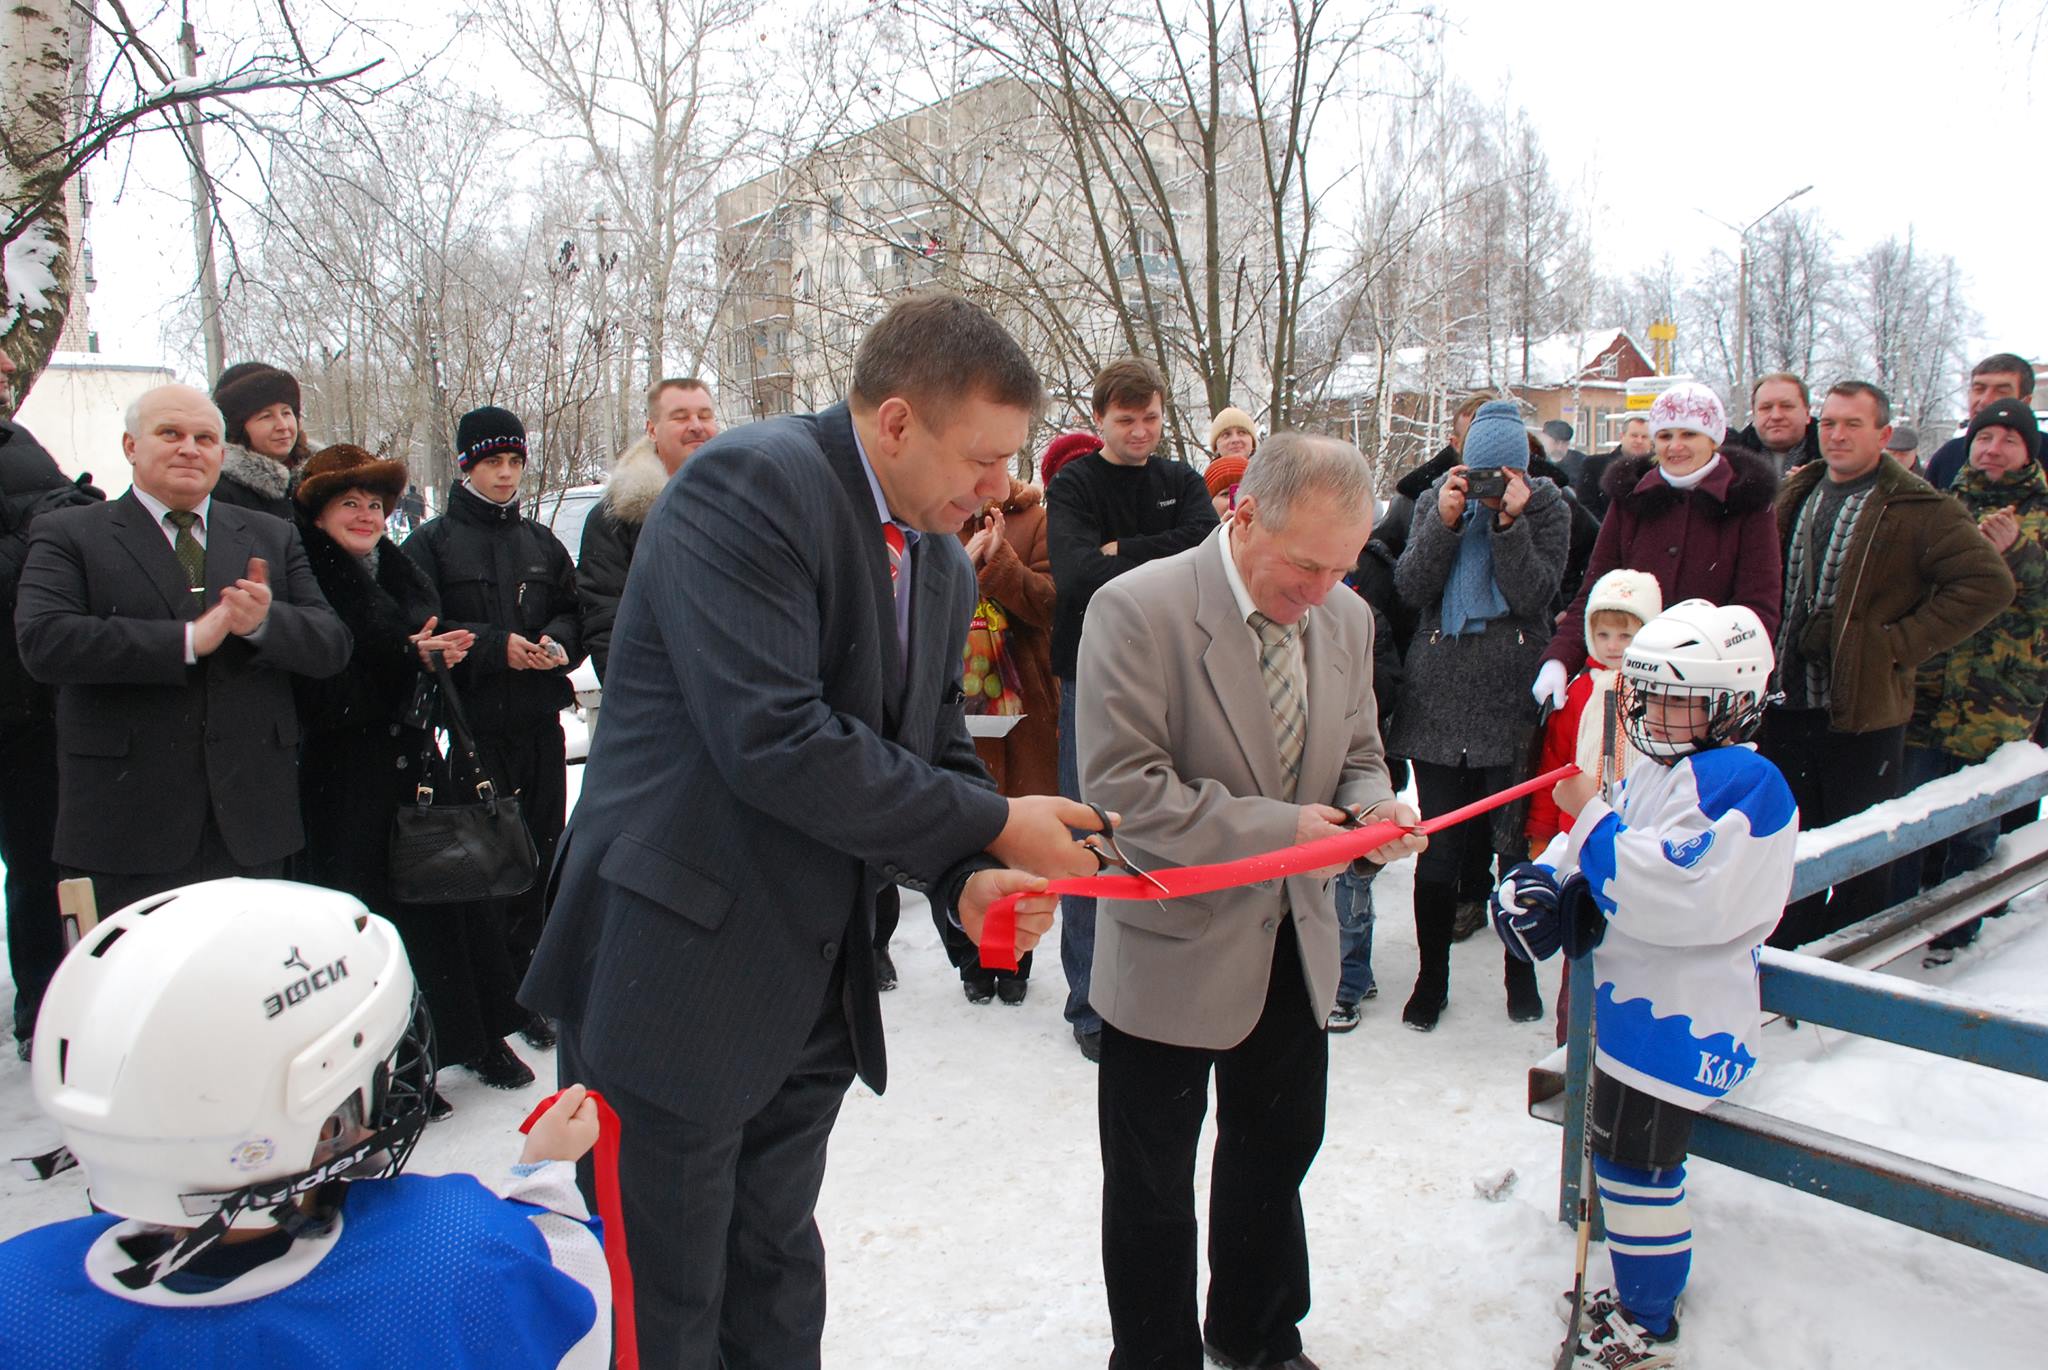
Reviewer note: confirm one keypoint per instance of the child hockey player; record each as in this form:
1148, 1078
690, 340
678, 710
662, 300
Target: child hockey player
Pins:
1620, 603
241, 1068
1672, 884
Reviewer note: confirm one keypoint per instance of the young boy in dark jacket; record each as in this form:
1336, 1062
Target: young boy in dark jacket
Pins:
508, 580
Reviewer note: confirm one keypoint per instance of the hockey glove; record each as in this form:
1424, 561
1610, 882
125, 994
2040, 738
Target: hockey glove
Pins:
1583, 924
1525, 912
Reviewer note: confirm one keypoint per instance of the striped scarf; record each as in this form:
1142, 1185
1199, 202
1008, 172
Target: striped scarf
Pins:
1807, 596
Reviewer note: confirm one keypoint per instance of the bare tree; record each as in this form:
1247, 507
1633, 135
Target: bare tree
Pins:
54, 121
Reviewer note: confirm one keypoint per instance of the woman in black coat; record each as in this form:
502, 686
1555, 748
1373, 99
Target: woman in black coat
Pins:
263, 443
361, 758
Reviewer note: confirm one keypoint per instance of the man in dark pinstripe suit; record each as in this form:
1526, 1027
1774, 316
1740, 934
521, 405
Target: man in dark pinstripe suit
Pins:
783, 746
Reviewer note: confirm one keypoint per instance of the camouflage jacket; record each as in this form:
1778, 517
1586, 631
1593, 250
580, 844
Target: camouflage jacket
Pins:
1989, 690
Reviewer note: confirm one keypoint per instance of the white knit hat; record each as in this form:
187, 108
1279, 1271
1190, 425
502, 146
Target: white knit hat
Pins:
1628, 592
1691, 406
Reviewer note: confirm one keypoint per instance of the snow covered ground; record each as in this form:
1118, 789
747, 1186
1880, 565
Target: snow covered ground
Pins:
960, 1213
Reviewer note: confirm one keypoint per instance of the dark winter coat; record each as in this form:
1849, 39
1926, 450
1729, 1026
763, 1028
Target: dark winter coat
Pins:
1148, 511
609, 536
1393, 529
360, 762
30, 485
249, 481
1590, 485
1990, 688
359, 759
1919, 578
1373, 579
1717, 541
1467, 698
1018, 576
1585, 532
498, 573
1807, 451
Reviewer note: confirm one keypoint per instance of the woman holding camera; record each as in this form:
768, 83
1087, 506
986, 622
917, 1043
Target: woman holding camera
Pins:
1485, 552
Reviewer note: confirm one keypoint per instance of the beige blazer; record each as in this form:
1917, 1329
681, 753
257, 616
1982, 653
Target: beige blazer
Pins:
1174, 732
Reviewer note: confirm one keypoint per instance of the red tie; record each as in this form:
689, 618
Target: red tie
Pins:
893, 535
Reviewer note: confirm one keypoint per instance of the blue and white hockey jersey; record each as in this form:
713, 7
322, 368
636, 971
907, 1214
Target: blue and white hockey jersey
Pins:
1692, 872
420, 1270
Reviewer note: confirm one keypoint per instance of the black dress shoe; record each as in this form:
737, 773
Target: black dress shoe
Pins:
979, 989
1011, 989
1295, 1362
24, 1047
1090, 1044
885, 969
501, 1069
438, 1108
539, 1033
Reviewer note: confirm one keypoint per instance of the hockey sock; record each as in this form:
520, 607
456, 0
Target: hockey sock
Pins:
1649, 1237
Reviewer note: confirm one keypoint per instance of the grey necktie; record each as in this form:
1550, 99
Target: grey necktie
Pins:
1280, 670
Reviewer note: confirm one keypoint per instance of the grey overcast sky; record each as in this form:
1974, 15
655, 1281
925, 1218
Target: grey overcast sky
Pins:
1920, 116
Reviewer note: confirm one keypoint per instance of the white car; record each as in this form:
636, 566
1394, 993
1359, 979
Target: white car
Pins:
565, 512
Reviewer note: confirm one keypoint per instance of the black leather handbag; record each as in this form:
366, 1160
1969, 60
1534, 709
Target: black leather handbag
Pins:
455, 851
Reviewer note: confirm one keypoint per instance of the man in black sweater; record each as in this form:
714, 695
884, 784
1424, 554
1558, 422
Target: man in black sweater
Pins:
1107, 512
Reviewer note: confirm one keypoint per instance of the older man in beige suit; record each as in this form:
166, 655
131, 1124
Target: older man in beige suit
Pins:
1226, 708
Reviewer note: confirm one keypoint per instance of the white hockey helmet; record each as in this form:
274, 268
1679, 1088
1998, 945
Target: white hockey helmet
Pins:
194, 1045
1719, 656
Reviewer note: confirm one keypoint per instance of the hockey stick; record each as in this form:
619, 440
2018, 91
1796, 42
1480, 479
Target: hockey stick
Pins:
1610, 765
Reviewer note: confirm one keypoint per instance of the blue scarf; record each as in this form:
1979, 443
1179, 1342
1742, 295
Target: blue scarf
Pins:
1471, 598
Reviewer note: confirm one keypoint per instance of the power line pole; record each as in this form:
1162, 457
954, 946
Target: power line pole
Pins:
202, 216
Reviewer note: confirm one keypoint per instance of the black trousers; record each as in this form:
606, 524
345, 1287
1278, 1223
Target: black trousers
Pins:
1833, 776
533, 765
28, 830
728, 1266
1270, 1097
112, 892
1463, 856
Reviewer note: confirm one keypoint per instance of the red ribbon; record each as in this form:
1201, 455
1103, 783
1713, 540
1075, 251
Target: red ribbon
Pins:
610, 1211
999, 928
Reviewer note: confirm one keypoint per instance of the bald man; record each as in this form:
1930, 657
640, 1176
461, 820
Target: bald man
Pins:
171, 627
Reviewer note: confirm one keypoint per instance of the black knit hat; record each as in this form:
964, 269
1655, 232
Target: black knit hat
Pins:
246, 389
2013, 414
486, 432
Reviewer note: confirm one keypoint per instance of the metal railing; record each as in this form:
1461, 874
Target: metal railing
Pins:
1831, 982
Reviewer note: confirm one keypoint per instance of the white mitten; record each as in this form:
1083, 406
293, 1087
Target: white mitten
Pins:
1550, 685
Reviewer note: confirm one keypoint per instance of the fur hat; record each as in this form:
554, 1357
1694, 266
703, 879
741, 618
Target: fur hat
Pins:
246, 389
1064, 449
1497, 437
487, 431
1627, 592
1230, 418
1690, 406
2013, 414
1224, 472
343, 467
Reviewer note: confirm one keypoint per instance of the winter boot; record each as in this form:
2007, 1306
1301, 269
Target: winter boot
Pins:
1525, 1002
1435, 910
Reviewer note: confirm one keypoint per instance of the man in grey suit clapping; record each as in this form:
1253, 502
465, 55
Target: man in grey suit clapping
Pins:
783, 746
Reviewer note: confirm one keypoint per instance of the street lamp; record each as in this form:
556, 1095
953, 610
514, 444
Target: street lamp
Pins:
1742, 293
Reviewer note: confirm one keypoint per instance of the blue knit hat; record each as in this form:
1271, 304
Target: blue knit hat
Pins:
1497, 437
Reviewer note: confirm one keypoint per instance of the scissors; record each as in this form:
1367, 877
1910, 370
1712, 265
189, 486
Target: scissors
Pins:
1106, 850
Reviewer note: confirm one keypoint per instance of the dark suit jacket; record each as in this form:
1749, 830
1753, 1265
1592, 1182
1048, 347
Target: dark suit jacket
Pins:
146, 743
765, 773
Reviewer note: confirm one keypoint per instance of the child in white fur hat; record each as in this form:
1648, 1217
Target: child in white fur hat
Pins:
1620, 603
